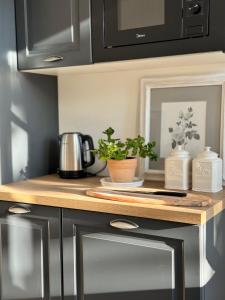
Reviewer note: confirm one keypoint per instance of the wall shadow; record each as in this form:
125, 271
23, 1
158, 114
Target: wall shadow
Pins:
28, 111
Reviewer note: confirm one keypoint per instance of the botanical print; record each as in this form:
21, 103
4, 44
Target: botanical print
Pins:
183, 123
184, 130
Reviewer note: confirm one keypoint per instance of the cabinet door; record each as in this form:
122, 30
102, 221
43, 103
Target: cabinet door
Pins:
53, 33
30, 264
119, 264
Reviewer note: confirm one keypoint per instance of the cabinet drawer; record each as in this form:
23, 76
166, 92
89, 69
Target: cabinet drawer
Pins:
30, 263
145, 260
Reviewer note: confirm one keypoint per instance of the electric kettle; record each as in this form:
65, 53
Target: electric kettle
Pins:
75, 155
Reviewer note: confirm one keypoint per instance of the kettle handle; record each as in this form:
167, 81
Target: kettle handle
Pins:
89, 140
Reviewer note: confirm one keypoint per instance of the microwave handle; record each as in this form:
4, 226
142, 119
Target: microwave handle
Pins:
89, 140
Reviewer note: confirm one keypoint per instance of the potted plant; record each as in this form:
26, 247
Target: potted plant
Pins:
121, 156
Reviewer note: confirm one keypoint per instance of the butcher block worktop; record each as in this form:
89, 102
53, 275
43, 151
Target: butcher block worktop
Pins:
53, 191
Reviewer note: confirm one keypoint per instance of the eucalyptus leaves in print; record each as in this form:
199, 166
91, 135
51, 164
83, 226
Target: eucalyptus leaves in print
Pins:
185, 129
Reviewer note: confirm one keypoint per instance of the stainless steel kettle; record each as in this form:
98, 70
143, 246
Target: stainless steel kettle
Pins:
75, 155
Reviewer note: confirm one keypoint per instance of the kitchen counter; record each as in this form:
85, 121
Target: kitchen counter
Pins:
53, 191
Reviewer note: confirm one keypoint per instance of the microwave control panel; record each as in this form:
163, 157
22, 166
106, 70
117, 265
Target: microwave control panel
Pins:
195, 18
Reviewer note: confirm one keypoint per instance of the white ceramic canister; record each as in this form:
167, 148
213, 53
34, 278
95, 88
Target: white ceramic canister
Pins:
178, 170
207, 172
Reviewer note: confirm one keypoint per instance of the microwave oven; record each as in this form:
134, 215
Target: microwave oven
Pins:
129, 29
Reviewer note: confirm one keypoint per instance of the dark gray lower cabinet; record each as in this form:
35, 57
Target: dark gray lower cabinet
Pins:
117, 266
53, 254
102, 262
30, 262
153, 260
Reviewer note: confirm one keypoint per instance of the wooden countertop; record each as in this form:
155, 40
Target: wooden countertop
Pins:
53, 191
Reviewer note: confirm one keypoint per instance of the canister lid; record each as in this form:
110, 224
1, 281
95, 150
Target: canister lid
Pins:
207, 154
180, 152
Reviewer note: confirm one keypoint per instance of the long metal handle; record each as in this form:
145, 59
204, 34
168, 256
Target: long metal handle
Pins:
19, 210
123, 224
53, 58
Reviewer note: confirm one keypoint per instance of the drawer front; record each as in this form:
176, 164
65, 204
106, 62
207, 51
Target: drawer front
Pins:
114, 257
30, 263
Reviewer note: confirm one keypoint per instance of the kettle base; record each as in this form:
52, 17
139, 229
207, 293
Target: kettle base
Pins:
73, 174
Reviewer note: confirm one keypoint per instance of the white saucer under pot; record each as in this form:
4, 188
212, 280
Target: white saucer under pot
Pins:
106, 181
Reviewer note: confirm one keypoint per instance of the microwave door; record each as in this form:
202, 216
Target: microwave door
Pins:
130, 22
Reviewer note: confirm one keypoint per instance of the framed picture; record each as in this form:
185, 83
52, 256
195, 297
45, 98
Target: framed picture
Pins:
187, 111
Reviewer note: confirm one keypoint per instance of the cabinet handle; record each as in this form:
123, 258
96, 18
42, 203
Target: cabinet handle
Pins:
53, 58
123, 224
19, 210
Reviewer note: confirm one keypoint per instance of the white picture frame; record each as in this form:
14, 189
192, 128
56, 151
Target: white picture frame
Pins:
146, 87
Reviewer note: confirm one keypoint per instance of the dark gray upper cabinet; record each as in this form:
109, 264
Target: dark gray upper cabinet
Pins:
30, 263
114, 263
53, 33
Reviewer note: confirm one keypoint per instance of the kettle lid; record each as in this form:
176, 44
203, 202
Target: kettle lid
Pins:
68, 136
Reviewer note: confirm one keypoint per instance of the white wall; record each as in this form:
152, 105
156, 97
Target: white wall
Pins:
91, 102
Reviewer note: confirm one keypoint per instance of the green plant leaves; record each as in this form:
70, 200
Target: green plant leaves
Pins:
118, 150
